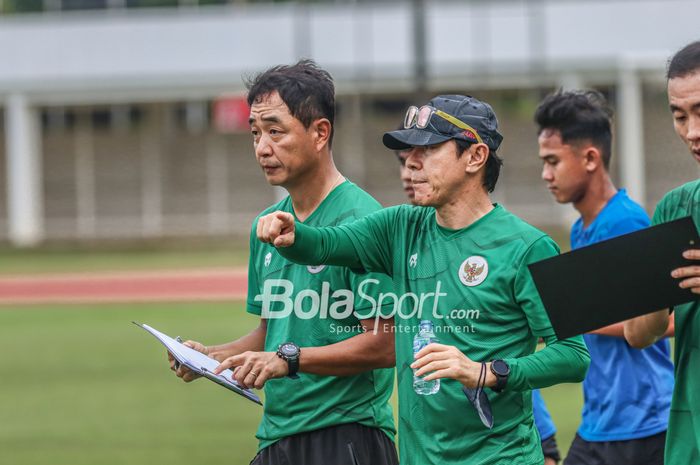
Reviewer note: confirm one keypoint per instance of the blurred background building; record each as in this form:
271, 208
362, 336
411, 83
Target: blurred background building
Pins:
127, 119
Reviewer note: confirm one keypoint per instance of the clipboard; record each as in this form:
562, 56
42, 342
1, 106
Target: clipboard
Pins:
200, 363
616, 279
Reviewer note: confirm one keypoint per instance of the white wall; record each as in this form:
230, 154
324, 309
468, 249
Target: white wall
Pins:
136, 55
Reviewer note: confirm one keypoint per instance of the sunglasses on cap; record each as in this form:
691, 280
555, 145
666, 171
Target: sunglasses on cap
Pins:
420, 119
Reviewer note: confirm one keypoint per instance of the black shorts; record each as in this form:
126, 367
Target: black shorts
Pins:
550, 449
350, 444
642, 451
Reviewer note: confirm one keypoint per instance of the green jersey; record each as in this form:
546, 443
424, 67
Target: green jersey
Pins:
683, 436
474, 285
317, 306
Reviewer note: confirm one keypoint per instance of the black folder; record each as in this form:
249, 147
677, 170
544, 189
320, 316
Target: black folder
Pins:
616, 279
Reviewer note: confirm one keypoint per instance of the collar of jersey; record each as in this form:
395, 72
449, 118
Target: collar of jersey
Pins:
448, 233
330, 195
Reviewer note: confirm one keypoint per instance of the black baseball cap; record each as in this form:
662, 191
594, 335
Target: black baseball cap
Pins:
473, 112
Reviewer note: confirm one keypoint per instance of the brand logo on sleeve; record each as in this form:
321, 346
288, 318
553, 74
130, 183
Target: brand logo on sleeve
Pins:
315, 269
473, 271
268, 258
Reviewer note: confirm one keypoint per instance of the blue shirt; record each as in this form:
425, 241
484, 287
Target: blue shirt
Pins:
543, 421
627, 392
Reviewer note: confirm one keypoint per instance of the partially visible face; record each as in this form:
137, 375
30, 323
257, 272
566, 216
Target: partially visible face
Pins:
684, 100
437, 174
283, 146
405, 175
563, 167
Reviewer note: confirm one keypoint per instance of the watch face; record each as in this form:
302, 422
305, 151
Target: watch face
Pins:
289, 350
500, 367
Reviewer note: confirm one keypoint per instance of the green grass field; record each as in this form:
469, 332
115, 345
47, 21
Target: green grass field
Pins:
82, 385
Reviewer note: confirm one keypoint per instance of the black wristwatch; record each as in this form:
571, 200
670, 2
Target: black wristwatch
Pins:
289, 352
501, 370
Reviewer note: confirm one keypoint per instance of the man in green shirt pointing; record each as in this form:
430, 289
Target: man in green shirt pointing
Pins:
460, 262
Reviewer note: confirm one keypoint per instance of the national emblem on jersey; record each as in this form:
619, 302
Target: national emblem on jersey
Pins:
268, 258
473, 271
413, 260
315, 269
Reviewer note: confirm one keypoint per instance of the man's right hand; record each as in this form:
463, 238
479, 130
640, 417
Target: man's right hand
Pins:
689, 275
277, 229
182, 371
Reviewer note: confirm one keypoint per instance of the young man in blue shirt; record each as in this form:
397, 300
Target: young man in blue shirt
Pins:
627, 392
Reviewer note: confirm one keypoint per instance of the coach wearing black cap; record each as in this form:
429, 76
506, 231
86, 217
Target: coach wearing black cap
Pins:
459, 265
543, 421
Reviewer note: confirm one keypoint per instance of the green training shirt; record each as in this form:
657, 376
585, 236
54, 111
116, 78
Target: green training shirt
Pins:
317, 306
683, 435
474, 285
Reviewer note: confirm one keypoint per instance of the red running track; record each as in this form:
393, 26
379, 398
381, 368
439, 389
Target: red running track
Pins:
130, 286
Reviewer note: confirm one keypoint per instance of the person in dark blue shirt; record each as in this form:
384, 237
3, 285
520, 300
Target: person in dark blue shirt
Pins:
627, 392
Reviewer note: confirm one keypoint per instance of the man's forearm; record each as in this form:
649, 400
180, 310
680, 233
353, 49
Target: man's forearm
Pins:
316, 246
645, 330
613, 330
618, 330
366, 351
253, 341
561, 361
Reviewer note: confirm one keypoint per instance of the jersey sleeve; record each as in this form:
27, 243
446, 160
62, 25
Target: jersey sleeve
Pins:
368, 287
525, 291
252, 306
364, 245
561, 361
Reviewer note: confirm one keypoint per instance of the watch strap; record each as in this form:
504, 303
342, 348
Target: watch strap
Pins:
293, 365
292, 361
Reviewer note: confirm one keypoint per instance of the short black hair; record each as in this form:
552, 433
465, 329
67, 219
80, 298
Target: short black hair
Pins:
685, 61
306, 89
493, 165
578, 115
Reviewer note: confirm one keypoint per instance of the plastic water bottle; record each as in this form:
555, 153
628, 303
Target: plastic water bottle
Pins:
425, 336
